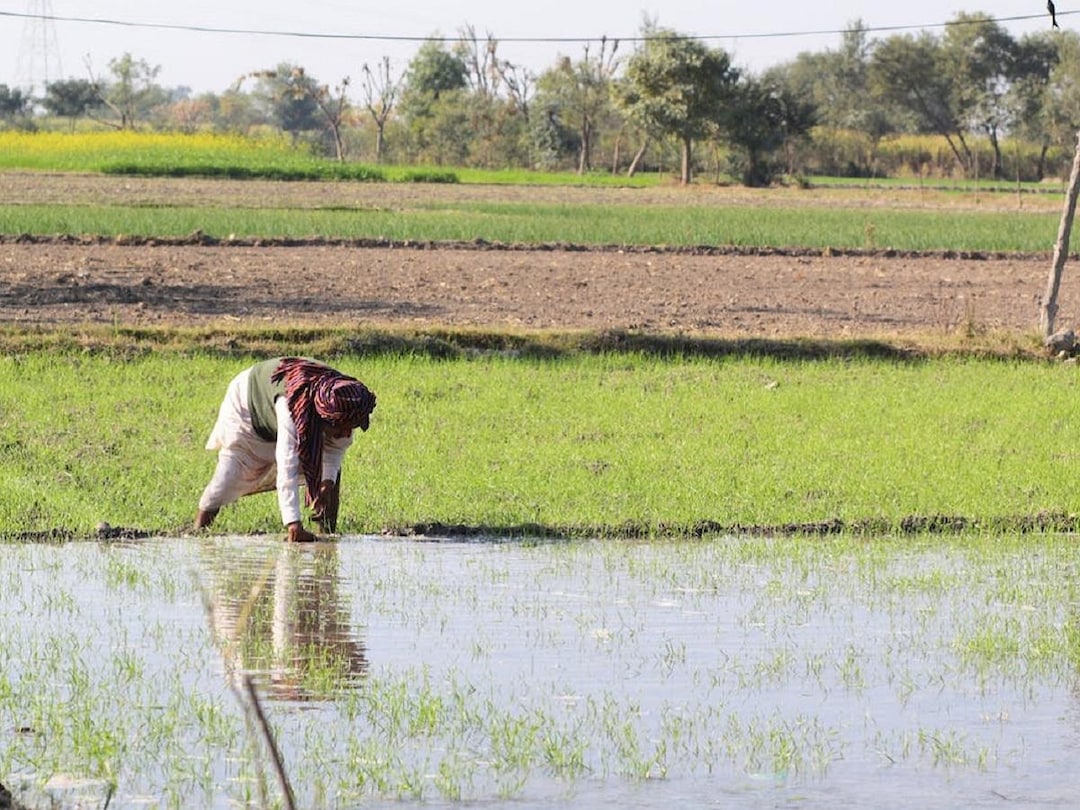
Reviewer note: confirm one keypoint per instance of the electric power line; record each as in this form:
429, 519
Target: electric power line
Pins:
207, 29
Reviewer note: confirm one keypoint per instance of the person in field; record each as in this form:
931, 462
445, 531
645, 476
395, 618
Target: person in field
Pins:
282, 421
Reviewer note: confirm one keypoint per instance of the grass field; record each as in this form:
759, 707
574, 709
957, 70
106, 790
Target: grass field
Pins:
608, 444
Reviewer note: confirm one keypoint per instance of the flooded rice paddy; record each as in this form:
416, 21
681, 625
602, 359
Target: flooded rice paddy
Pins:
722, 672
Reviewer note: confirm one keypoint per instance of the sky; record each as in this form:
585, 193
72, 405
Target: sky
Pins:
343, 35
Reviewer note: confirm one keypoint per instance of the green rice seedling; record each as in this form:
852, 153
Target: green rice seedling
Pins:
876, 442
674, 226
948, 748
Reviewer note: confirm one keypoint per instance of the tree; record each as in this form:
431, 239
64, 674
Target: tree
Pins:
909, 73
432, 104
70, 98
1060, 104
380, 93
297, 102
517, 84
980, 60
289, 94
13, 103
1028, 112
764, 118
431, 74
132, 93
837, 83
334, 106
678, 87
852, 118
498, 124
237, 111
578, 95
189, 115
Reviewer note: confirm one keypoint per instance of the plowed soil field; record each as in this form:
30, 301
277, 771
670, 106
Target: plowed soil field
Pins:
201, 281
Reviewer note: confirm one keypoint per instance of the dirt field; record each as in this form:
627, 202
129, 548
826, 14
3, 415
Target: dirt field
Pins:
724, 294
729, 295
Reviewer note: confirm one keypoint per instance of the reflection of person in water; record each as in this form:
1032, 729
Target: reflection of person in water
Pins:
280, 419
287, 622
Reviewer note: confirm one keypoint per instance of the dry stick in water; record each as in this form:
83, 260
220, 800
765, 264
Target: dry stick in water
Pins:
254, 718
271, 743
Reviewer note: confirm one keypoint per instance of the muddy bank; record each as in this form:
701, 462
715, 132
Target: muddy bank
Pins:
909, 525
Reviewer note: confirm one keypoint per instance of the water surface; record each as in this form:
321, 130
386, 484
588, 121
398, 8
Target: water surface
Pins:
721, 672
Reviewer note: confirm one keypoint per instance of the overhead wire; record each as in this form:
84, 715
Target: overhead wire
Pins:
537, 40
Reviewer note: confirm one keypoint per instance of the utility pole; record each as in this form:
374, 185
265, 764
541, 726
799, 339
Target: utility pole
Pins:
1061, 248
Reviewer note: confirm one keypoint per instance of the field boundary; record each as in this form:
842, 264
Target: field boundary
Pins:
200, 239
911, 525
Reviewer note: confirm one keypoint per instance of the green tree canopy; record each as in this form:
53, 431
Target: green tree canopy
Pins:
13, 103
909, 73
576, 97
289, 95
70, 98
764, 118
836, 82
433, 72
434, 104
678, 87
980, 58
1027, 101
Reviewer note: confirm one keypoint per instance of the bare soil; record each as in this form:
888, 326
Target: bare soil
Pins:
726, 294
197, 281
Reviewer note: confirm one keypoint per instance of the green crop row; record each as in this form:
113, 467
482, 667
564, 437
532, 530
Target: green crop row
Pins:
731, 226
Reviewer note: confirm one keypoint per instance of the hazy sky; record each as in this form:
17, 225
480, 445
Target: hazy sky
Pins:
758, 35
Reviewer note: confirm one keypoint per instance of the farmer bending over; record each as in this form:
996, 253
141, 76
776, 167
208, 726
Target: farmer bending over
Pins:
281, 419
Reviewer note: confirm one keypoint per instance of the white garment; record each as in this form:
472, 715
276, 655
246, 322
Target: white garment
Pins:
247, 463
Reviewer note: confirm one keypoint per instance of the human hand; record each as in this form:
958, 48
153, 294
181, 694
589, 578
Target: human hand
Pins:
324, 498
298, 534
325, 505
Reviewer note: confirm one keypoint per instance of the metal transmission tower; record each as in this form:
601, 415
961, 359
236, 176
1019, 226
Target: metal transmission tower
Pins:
38, 61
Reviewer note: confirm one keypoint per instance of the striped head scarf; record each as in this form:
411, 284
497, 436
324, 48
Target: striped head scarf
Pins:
318, 397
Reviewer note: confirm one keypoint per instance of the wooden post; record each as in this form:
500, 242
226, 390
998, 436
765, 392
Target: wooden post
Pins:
1061, 248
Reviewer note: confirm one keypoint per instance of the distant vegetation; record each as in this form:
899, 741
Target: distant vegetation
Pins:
171, 154
972, 219
267, 156
969, 102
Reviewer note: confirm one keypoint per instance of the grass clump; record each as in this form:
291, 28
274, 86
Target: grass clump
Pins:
429, 176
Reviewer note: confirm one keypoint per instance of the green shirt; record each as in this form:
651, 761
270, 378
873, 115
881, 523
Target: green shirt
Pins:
261, 396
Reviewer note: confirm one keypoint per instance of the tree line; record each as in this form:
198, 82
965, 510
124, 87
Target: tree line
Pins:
972, 101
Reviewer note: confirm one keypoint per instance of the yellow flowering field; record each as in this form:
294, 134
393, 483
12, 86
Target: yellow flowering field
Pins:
164, 153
